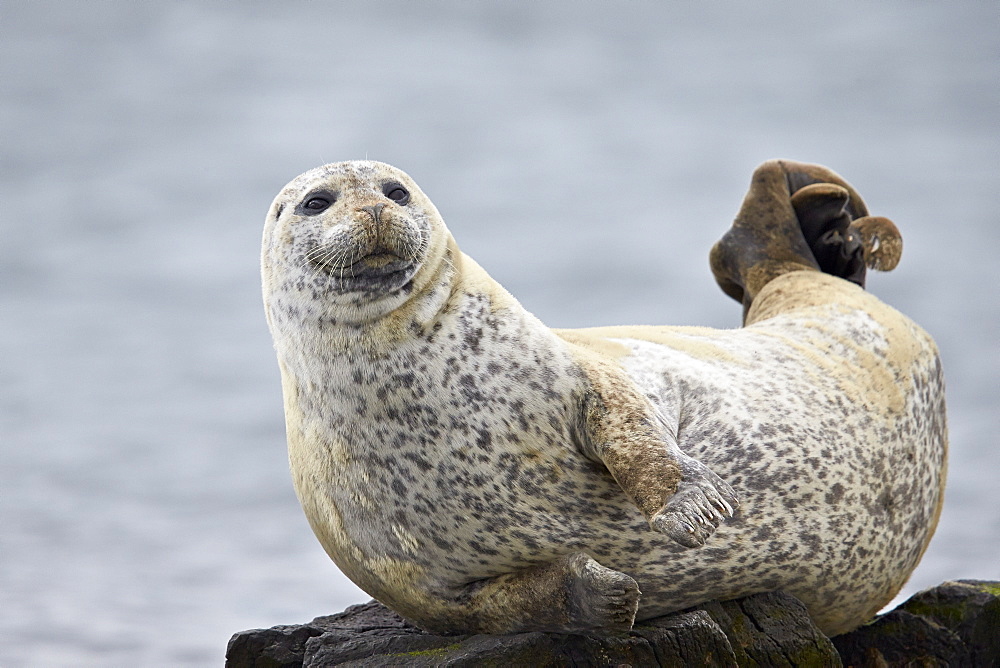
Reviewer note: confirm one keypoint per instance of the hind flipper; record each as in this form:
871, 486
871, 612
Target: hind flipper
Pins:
843, 238
800, 216
822, 212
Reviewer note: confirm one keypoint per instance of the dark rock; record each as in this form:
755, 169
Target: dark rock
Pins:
772, 630
534, 649
956, 624
953, 624
767, 629
969, 608
285, 646
378, 637
278, 647
370, 616
685, 638
899, 638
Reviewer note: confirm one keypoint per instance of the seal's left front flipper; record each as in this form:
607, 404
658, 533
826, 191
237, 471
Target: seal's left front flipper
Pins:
678, 495
702, 501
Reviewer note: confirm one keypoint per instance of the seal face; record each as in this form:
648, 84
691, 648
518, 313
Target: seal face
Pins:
479, 472
354, 235
362, 251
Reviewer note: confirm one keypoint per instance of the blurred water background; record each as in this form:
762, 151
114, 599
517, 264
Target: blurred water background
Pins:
586, 154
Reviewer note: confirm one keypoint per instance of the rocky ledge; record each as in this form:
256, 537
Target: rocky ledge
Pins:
954, 624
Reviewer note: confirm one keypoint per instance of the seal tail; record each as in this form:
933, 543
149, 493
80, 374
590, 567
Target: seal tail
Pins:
801, 216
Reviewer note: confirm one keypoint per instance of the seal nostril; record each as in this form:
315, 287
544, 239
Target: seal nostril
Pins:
375, 211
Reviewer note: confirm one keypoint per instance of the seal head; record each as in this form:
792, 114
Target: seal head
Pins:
359, 238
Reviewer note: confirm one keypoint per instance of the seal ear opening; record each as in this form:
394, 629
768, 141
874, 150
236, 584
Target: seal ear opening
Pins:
277, 213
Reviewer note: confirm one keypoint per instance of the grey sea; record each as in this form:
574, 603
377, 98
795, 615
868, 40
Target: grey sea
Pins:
586, 154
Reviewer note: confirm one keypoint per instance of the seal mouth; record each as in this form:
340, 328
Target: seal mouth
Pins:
379, 271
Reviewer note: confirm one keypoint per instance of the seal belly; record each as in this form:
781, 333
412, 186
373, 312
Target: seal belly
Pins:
464, 462
829, 423
468, 508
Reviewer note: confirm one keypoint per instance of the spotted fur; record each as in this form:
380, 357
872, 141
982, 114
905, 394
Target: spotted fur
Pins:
480, 472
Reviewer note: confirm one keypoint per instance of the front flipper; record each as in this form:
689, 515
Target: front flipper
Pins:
702, 501
679, 496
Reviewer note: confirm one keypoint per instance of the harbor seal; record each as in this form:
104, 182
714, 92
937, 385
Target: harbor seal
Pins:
479, 472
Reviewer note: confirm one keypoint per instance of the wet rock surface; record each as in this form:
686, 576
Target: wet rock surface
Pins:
954, 624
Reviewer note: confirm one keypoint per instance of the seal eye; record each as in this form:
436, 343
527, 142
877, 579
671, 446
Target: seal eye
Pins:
315, 203
396, 193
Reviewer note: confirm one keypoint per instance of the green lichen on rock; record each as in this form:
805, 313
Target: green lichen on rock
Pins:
990, 587
434, 651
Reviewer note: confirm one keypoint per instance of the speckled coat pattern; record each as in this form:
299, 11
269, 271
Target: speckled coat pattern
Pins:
444, 445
